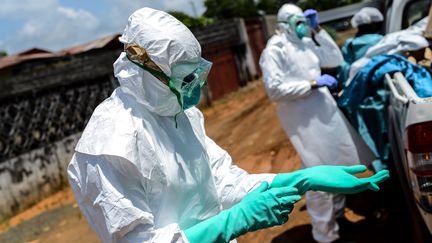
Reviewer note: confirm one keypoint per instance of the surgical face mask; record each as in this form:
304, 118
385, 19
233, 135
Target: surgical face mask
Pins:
185, 81
302, 30
299, 24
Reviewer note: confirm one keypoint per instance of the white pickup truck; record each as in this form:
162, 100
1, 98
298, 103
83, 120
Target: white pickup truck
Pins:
410, 127
410, 136
409, 117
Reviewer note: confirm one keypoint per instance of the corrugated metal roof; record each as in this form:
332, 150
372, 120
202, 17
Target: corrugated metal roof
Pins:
16, 59
36, 53
97, 44
32, 51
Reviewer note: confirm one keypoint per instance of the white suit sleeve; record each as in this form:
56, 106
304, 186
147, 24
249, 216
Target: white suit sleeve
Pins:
279, 83
328, 52
111, 194
232, 182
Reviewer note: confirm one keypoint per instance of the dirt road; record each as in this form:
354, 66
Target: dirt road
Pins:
246, 125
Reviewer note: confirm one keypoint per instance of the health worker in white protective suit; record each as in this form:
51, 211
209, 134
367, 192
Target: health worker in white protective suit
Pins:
291, 65
144, 169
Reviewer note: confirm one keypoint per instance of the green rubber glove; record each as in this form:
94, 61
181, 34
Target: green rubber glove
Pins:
328, 178
261, 208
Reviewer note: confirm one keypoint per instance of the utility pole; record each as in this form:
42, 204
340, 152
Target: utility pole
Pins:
194, 9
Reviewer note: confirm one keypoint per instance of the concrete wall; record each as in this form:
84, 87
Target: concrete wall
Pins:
30, 177
270, 23
248, 62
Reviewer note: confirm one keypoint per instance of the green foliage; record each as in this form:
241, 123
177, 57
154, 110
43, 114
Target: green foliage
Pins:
321, 5
3, 53
332, 32
224, 9
191, 22
268, 6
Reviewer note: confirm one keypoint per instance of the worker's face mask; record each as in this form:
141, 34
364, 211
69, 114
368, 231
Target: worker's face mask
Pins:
185, 81
299, 24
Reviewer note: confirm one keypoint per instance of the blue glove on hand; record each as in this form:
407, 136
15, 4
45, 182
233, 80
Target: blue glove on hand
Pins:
262, 208
327, 80
312, 15
329, 178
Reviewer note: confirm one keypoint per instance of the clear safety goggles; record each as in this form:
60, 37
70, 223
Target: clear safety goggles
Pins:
297, 20
186, 83
184, 79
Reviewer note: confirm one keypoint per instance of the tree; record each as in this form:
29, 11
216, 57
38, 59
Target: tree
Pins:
223, 9
189, 21
268, 6
3, 54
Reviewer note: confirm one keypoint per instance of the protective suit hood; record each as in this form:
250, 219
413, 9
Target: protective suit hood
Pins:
284, 13
168, 42
288, 10
366, 15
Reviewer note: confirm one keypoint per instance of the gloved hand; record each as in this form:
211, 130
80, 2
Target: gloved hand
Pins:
260, 209
327, 80
328, 178
312, 15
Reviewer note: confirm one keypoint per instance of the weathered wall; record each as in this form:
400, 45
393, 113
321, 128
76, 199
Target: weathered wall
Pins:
45, 104
270, 24
39, 129
257, 41
30, 177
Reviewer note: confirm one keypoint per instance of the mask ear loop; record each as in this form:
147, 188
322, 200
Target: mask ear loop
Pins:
142, 55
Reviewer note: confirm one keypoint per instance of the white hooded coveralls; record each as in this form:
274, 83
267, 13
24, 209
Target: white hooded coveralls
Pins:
135, 176
311, 118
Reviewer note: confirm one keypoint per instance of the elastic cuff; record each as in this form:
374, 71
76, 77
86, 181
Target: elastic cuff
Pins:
184, 237
313, 84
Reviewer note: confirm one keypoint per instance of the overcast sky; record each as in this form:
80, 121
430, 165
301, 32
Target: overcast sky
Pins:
56, 24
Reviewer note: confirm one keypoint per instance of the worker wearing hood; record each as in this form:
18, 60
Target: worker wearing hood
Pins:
291, 65
368, 22
144, 169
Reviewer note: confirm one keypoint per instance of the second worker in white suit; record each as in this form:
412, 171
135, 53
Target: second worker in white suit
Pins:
291, 65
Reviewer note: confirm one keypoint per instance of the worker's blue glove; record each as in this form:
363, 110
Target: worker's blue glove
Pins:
262, 208
312, 16
328, 178
327, 80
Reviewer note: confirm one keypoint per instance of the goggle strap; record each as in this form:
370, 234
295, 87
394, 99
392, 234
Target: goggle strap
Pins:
157, 74
175, 119
176, 93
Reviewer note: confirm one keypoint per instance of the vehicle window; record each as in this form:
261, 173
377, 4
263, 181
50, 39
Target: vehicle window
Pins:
340, 30
389, 8
415, 11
